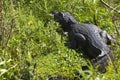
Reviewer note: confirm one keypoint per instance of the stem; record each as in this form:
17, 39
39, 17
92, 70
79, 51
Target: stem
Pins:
112, 8
0, 20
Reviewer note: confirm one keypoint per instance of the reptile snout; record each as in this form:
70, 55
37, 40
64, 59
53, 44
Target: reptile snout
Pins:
54, 12
57, 16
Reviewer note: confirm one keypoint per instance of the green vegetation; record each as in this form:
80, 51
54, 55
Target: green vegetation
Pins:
32, 49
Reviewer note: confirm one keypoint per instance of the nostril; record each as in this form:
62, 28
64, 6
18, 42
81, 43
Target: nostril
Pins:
54, 12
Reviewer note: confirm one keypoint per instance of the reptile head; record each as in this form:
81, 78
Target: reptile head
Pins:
64, 18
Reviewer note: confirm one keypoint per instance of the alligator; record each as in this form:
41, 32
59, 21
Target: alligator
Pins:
92, 40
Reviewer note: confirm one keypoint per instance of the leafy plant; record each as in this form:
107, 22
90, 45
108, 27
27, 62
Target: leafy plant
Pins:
32, 48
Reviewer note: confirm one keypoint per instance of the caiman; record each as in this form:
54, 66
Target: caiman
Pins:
92, 40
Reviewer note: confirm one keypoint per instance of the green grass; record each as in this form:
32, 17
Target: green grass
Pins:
32, 49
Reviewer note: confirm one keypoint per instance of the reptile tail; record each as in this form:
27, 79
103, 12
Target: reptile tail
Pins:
102, 62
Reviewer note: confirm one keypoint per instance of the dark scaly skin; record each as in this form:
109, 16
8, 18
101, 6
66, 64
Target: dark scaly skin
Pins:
95, 45
89, 37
